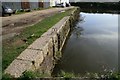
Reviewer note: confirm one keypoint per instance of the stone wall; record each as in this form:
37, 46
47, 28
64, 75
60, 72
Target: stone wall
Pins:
43, 53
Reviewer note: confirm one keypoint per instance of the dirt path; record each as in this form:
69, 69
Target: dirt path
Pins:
12, 25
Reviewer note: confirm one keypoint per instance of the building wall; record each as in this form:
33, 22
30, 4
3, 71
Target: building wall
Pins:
62, 1
44, 3
33, 5
13, 5
54, 2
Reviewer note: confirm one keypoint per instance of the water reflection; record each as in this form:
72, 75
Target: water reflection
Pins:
77, 30
100, 11
93, 45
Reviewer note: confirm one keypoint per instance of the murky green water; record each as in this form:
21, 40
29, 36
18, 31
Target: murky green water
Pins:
92, 45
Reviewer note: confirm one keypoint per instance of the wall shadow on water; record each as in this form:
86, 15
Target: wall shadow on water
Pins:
77, 31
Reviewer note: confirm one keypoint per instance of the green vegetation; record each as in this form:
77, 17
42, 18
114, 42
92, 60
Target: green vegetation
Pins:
58, 55
63, 74
6, 77
13, 47
31, 74
66, 74
20, 12
92, 76
26, 11
28, 75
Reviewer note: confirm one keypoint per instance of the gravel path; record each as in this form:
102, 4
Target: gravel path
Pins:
12, 25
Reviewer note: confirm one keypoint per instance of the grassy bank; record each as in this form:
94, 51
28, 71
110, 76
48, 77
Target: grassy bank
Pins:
91, 76
67, 75
13, 47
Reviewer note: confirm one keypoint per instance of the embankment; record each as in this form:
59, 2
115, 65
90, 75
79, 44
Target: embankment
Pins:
43, 53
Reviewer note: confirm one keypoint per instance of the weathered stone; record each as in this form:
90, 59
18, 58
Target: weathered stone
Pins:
60, 23
48, 48
45, 49
40, 55
48, 33
34, 56
17, 67
39, 43
48, 64
55, 43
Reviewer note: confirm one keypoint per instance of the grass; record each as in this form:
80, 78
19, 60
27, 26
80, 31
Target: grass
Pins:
13, 47
19, 12
67, 74
31, 74
37, 9
91, 76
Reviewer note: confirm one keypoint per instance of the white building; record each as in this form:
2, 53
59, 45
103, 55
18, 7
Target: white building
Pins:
54, 2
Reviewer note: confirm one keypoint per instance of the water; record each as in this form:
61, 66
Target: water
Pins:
92, 45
